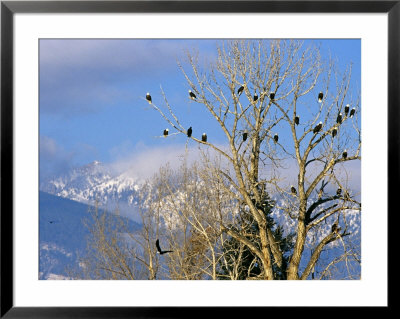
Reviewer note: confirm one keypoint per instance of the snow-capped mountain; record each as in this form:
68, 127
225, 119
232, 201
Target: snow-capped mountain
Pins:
95, 181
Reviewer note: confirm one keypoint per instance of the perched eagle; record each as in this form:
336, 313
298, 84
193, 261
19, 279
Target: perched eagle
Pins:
244, 136
189, 132
334, 132
272, 95
148, 97
161, 252
344, 154
317, 128
166, 132
320, 97
255, 97
296, 120
353, 110
240, 90
192, 95
276, 138
293, 190
335, 228
339, 191
204, 137
339, 118
346, 109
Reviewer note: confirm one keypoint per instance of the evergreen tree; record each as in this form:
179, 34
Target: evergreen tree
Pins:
240, 257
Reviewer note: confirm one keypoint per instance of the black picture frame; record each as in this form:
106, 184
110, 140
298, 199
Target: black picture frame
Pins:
9, 8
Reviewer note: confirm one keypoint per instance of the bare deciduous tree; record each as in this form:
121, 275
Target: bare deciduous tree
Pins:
279, 103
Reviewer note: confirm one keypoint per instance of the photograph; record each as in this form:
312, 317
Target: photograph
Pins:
199, 159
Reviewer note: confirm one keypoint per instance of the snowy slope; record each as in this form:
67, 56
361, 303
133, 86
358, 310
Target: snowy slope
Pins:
93, 182
62, 235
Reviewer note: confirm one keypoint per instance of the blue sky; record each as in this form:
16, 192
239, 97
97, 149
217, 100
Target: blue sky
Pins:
92, 92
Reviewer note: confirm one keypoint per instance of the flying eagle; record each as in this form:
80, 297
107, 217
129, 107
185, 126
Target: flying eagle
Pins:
317, 128
166, 132
353, 110
189, 132
346, 109
293, 190
320, 97
296, 120
244, 136
276, 138
204, 137
161, 252
344, 154
148, 97
272, 95
339, 118
192, 95
240, 90
255, 97
334, 132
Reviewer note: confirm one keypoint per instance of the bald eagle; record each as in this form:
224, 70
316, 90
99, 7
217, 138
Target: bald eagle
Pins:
334, 132
204, 137
339, 118
189, 132
255, 97
161, 252
339, 191
296, 120
293, 190
244, 136
344, 154
148, 97
276, 138
346, 109
166, 132
272, 95
335, 228
192, 95
353, 110
320, 97
240, 90
317, 128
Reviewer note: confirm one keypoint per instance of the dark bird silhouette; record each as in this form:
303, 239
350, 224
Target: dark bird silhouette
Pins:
335, 228
204, 137
166, 132
148, 97
276, 138
189, 132
161, 252
344, 154
255, 97
334, 132
320, 97
293, 190
346, 109
52, 221
244, 136
339, 118
272, 96
339, 191
240, 90
317, 128
296, 120
352, 112
192, 95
